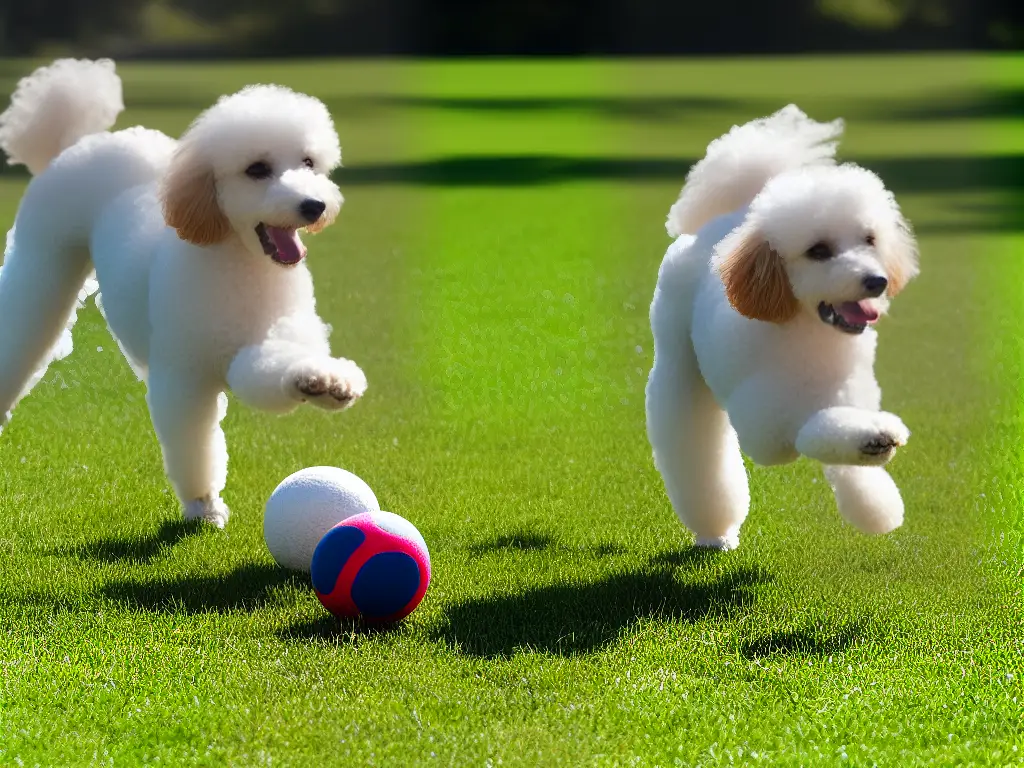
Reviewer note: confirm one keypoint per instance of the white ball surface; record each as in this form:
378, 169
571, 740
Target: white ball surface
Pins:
305, 506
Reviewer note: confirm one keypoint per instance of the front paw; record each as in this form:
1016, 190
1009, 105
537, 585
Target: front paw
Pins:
843, 435
328, 383
888, 434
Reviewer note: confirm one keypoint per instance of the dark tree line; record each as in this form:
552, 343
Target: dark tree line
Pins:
463, 27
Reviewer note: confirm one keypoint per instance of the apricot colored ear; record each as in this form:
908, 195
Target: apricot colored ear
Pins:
756, 283
189, 197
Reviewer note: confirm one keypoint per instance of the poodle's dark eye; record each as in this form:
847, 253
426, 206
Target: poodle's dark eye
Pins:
258, 170
308, 162
869, 238
820, 252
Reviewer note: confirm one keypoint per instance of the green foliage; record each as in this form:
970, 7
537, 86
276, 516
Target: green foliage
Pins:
260, 28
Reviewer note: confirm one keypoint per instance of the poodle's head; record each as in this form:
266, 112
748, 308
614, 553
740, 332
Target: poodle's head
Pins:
255, 165
829, 241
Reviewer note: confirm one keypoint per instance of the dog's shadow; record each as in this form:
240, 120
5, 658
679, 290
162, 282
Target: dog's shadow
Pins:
529, 540
335, 629
140, 548
814, 641
247, 588
580, 617
520, 540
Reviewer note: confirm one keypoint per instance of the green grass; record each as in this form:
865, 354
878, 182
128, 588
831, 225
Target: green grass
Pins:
491, 270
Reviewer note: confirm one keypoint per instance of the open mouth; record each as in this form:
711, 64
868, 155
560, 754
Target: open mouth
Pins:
281, 244
850, 316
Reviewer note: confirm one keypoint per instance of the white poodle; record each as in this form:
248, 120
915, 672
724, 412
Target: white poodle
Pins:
761, 318
195, 245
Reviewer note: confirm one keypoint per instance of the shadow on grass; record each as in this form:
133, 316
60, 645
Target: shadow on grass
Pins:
903, 174
142, 549
633, 107
523, 540
803, 642
984, 104
247, 588
956, 105
1002, 215
329, 627
526, 540
932, 106
937, 105
577, 618
686, 557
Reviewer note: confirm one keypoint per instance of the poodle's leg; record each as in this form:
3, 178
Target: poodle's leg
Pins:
867, 497
278, 375
846, 435
186, 415
38, 300
696, 451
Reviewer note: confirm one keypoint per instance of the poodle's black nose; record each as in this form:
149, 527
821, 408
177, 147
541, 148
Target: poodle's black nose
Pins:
875, 285
311, 209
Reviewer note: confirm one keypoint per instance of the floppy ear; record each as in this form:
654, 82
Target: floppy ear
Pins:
189, 197
756, 283
899, 254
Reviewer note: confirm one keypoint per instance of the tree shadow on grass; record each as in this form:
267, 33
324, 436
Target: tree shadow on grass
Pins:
141, 549
247, 588
634, 107
931, 106
902, 174
984, 104
803, 642
1004, 214
576, 618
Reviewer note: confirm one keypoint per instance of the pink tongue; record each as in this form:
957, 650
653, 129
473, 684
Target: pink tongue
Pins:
857, 312
289, 248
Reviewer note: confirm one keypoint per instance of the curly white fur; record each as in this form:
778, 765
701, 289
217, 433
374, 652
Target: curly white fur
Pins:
56, 106
179, 234
761, 321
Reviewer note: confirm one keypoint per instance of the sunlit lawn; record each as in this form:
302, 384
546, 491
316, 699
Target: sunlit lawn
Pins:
491, 271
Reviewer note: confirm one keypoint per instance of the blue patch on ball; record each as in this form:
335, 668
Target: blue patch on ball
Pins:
333, 551
385, 584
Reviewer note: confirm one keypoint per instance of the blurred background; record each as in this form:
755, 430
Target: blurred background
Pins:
271, 28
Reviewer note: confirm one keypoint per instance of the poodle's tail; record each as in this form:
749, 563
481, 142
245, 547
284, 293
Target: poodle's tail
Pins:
738, 164
57, 105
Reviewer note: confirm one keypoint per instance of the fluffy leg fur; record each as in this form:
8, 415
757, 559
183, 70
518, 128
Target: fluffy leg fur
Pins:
698, 455
186, 415
867, 497
695, 447
38, 301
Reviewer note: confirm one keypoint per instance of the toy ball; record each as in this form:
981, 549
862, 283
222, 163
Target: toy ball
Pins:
305, 506
373, 565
